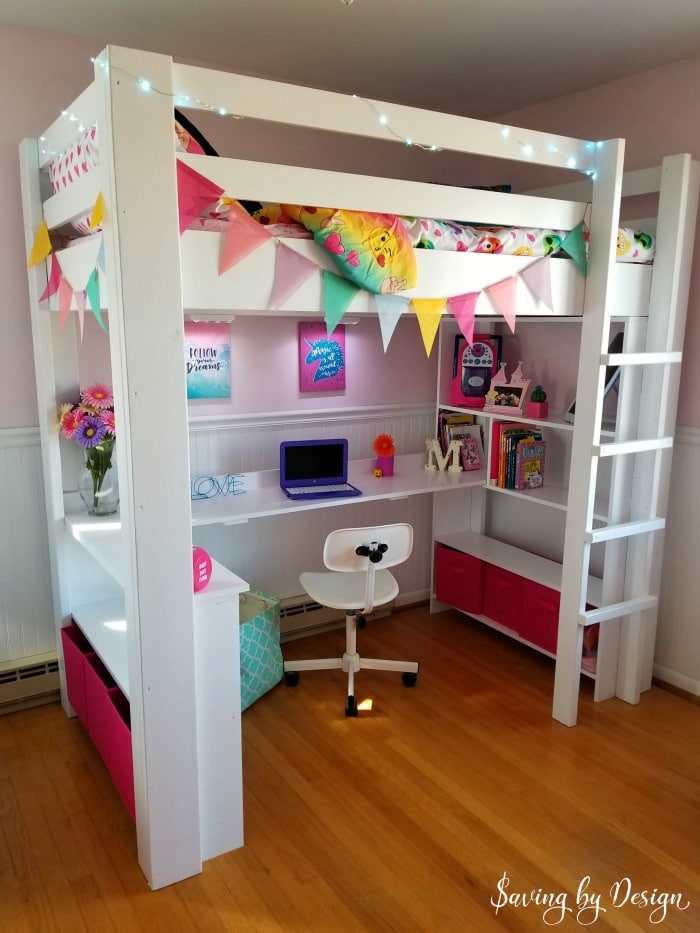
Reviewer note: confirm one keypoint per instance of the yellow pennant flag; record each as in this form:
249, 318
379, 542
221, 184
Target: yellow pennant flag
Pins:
98, 212
41, 246
429, 312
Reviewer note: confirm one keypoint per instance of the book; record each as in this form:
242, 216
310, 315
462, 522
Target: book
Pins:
498, 428
451, 426
530, 453
472, 452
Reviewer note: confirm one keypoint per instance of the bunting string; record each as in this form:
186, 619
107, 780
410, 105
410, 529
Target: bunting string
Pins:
74, 279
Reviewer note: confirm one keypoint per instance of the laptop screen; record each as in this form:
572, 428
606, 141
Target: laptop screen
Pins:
316, 462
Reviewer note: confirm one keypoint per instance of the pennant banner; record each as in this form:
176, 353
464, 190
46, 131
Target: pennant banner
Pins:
92, 290
194, 194
54, 279
78, 262
537, 277
243, 236
574, 245
291, 271
389, 310
429, 312
65, 297
338, 292
41, 247
502, 296
463, 307
80, 299
97, 212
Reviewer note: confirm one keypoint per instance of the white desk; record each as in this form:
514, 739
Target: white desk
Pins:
263, 496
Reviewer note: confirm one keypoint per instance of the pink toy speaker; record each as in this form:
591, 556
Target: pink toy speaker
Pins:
201, 568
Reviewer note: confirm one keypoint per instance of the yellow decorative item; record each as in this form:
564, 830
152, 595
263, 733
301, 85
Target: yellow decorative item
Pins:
41, 247
97, 212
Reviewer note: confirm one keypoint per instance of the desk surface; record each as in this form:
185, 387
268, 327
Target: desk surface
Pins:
263, 496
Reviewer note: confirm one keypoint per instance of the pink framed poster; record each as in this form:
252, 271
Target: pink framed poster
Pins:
208, 360
321, 357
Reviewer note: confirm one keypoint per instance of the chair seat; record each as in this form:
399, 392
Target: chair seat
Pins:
347, 590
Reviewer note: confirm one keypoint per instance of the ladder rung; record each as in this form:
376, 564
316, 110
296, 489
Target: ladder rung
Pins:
632, 447
624, 530
616, 610
641, 359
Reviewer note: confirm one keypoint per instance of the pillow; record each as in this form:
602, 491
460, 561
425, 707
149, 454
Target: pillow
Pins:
372, 250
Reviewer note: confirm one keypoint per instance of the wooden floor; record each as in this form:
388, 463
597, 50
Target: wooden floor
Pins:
423, 814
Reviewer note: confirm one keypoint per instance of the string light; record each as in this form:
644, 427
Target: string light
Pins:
570, 161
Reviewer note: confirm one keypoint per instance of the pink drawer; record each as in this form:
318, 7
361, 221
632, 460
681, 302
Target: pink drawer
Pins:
539, 619
109, 728
459, 579
76, 648
502, 596
119, 759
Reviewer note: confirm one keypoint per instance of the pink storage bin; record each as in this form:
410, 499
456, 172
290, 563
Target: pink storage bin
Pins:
539, 619
76, 648
110, 728
459, 579
503, 596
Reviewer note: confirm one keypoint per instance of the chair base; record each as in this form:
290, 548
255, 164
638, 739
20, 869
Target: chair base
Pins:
351, 662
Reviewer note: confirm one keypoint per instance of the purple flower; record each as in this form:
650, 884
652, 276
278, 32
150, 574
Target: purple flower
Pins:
90, 431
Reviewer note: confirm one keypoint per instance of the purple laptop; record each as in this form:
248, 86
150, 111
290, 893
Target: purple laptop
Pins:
315, 469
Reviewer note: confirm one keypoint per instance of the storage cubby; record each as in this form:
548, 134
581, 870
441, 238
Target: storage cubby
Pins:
102, 709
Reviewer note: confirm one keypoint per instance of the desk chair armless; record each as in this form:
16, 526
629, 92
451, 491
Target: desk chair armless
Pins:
358, 580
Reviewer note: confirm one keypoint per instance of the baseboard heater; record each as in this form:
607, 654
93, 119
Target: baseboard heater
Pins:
29, 682
300, 617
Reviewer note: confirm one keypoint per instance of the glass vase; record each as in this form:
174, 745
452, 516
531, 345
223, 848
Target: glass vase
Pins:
98, 483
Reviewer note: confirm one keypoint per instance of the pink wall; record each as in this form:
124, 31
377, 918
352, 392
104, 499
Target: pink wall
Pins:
46, 72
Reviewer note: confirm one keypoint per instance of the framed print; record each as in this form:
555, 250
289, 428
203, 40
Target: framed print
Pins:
321, 357
507, 396
207, 360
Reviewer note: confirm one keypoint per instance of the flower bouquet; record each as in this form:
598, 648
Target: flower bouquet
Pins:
385, 449
90, 423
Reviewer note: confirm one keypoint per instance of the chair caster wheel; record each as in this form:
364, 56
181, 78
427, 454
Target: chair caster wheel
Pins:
351, 707
360, 621
291, 678
408, 679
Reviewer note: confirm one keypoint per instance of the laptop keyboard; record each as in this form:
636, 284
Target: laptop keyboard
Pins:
321, 490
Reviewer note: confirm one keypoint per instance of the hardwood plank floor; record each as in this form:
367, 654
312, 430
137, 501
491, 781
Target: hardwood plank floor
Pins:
412, 817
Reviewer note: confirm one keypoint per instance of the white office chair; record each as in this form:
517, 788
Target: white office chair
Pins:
356, 583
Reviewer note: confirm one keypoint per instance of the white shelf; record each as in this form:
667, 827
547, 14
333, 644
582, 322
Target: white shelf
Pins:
104, 625
525, 564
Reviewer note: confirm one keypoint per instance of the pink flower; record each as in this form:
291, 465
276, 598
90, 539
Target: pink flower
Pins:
98, 396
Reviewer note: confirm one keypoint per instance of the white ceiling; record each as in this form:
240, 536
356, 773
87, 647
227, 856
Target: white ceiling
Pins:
478, 58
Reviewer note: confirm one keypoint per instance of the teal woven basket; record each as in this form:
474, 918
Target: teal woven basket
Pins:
261, 655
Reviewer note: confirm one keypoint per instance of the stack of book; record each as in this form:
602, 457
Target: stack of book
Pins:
518, 455
453, 426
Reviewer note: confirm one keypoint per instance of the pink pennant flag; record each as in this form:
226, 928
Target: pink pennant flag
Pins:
463, 308
80, 302
389, 310
429, 313
291, 271
54, 279
194, 194
502, 296
338, 292
65, 297
537, 277
243, 235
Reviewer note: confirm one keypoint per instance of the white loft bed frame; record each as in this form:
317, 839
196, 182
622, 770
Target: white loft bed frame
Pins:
153, 275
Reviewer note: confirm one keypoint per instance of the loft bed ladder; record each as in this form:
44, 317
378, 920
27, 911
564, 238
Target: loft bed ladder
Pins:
640, 451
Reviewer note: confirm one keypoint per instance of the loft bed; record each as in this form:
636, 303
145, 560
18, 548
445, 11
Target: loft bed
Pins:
150, 276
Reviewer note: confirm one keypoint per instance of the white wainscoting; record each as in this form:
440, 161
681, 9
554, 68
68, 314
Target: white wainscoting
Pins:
677, 656
26, 614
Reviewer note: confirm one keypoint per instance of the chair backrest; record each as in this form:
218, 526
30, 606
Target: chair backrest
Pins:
340, 549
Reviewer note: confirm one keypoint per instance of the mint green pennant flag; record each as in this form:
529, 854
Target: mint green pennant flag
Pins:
337, 295
93, 292
574, 244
